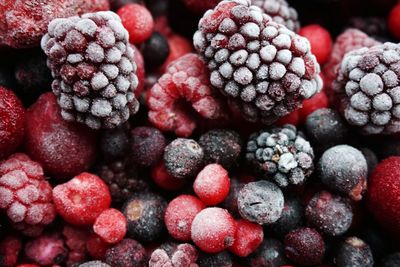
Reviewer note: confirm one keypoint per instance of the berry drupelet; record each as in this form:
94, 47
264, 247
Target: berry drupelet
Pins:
264, 69
354, 252
281, 154
93, 68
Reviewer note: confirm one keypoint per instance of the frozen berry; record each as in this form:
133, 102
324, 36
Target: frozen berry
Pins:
64, 149
304, 246
140, 70
344, 170
391, 260
181, 95
94, 264
81, 200
147, 145
183, 158
222, 259
330, 214
291, 218
394, 21
144, 214
155, 50
138, 21
213, 230
221, 146
114, 143
93, 69
12, 116
127, 253
117, 4
261, 202
370, 157
281, 154
164, 180
75, 240
354, 252
179, 216
375, 27
96, 247
269, 253
230, 202
264, 69
110, 225
10, 247
383, 194
320, 40
319, 100
247, 238
46, 250
212, 184
181, 255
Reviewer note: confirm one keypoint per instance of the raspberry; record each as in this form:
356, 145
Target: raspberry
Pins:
179, 216
264, 69
164, 180
110, 225
127, 253
199, 7
94, 264
269, 253
280, 12
281, 154
247, 238
212, 184
46, 250
155, 50
178, 47
186, 79
291, 218
320, 40
93, 69
96, 247
383, 194
25, 194
12, 116
394, 21
354, 252
50, 140
183, 255
80, 200
24, 23
213, 230
10, 247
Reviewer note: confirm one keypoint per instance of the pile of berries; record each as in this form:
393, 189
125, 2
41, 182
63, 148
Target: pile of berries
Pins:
199, 133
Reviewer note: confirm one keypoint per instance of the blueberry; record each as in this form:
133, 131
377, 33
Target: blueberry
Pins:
155, 50
354, 252
291, 218
114, 143
269, 253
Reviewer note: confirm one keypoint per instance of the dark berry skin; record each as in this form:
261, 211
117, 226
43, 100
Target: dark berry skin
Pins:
291, 218
354, 252
269, 253
127, 253
392, 260
155, 50
183, 158
147, 145
144, 213
370, 157
304, 246
222, 259
114, 143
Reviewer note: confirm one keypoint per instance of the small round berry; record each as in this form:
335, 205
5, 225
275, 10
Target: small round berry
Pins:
110, 225
155, 50
391, 260
127, 253
261, 202
344, 170
291, 218
354, 252
114, 143
222, 259
247, 238
147, 145
212, 184
213, 230
319, 100
138, 22
81, 200
269, 253
221, 146
180, 214
394, 21
164, 180
320, 40
183, 158
12, 116
304, 246
330, 214
46, 250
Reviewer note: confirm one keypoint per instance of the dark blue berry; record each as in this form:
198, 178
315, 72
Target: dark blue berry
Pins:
269, 253
354, 252
114, 143
291, 218
155, 50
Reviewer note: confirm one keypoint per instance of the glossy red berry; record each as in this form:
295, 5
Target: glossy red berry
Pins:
394, 21
320, 40
212, 184
110, 225
81, 200
247, 238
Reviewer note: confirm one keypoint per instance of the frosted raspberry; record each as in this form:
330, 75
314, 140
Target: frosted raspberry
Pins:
47, 249
264, 69
25, 195
93, 67
182, 255
186, 79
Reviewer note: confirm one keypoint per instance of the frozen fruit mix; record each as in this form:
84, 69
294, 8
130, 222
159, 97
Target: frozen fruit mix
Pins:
199, 133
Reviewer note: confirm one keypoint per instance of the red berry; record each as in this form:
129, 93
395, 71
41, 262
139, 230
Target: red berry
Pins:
110, 225
384, 194
212, 184
293, 118
199, 7
10, 247
28, 265
140, 71
75, 239
247, 238
81, 200
138, 21
63, 148
213, 230
12, 117
394, 21
163, 179
46, 249
320, 100
178, 47
96, 247
179, 216
320, 40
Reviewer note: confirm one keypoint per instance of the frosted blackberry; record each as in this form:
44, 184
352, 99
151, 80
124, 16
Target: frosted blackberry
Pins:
281, 154
265, 69
280, 12
93, 69
368, 89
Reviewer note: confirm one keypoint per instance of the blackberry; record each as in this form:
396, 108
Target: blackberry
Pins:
367, 88
354, 252
291, 218
122, 179
269, 253
92, 65
264, 69
127, 253
280, 11
391, 260
155, 50
281, 154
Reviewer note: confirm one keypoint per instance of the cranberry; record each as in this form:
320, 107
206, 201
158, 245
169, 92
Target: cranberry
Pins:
110, 225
